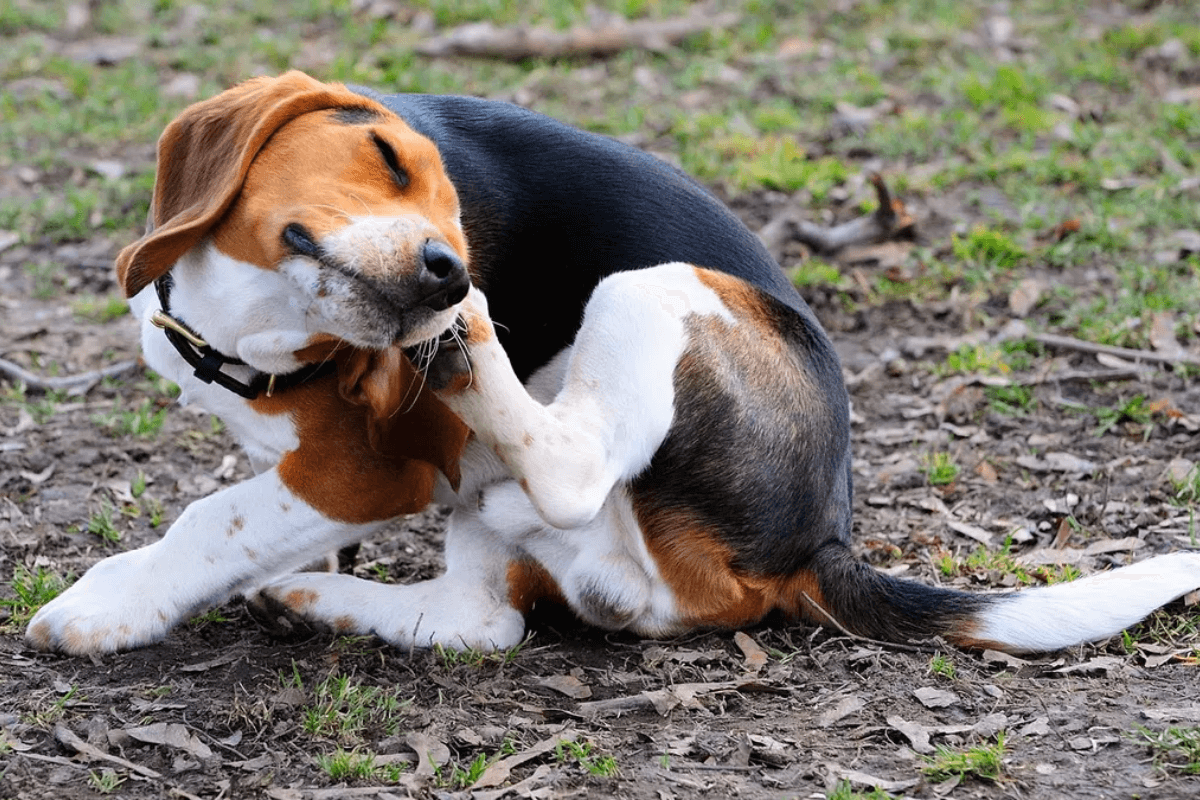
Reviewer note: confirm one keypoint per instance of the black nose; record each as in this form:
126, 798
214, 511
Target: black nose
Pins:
443, 278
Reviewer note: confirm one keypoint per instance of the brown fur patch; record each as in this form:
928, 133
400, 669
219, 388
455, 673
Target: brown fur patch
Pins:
529, 582
362, 456
300, 599
709, 590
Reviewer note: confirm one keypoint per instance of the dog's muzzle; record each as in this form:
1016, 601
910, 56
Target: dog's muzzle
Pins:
442, 279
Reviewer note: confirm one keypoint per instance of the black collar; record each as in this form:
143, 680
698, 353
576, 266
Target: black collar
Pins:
207, 362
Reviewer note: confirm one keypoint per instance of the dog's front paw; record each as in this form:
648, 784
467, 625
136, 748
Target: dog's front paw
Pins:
112, 607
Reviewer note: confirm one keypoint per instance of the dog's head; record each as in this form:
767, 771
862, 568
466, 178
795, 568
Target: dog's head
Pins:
300, 222
327, 216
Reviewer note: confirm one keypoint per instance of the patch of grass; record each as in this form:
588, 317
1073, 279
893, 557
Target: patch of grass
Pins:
211, 617
350, 765
1166, 628
33, 590
845, 791
988, 248
474, 657
940, 664
815, 272
100, 309
984, 762
940, 469
102, 523
56, 710
1133, 410
1012, 401
453, 776
345, 709
584, 753
1174, 749
144, 422
105, 781
41, 409
1003, 562
971, 359
1187, 489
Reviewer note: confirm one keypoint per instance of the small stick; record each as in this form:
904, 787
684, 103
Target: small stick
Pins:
83, 381
1081, 346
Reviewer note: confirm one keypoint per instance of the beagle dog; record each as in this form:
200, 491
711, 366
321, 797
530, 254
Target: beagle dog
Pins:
401, 300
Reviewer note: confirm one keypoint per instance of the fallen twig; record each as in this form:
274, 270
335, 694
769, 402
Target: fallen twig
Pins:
605, 35
1081, 346
1085, 375
68, 738
81, 382
889, 221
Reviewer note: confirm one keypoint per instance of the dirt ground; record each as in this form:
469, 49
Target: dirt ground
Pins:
702, 717
223, 710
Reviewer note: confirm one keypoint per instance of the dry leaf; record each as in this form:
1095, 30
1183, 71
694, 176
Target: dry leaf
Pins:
986, 471
844, 708
171, 734
498, 772
1024, 297
568, 685
916, 733
932, 697
1162, 333
756, 657
970, 531
1104, 664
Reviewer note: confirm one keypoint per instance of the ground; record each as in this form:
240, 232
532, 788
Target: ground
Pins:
987, 454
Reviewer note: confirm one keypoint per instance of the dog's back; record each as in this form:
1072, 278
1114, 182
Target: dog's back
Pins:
528, 213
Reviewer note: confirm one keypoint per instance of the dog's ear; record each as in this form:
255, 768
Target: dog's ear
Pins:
203, 157
404, 417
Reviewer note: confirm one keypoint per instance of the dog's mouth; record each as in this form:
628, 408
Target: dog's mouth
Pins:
375, 291
442, 357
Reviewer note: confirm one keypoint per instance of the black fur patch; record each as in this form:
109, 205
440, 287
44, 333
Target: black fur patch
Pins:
356, 115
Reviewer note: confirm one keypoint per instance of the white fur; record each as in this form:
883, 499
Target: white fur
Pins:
1084, 610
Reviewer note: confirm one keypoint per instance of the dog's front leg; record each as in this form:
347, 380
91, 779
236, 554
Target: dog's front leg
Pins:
220, 546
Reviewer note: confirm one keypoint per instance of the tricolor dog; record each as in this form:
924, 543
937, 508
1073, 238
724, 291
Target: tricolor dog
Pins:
394, 301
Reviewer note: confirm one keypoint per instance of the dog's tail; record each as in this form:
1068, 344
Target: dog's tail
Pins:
869, 603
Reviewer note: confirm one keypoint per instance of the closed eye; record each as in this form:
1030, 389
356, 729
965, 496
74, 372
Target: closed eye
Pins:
393, 164
298, 240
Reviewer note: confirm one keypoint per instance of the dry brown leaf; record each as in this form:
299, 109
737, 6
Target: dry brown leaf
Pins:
756, 657
1023, 297
986, 471
1162, 333
932, 697
171, 734
498, 772
844, 708
568, 685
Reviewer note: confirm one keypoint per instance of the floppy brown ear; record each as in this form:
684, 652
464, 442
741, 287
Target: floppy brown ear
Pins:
203, 157
406, 420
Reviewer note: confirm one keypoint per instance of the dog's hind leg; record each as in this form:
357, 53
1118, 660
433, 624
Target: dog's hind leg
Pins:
617, 399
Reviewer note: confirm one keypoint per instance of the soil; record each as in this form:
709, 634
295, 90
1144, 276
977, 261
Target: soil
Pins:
697, 716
